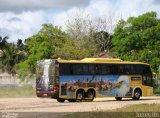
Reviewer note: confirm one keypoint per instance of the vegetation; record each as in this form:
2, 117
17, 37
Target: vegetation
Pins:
127, 111
136, 39
41, 46
11, 54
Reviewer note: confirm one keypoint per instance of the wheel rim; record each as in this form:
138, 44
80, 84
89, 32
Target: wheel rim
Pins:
90, 95
80, 96
137, 94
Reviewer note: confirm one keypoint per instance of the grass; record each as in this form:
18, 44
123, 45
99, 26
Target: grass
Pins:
16, 92
140, 108
132, 111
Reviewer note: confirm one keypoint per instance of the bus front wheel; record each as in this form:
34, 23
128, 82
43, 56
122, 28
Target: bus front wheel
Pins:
118, 98
60, 100
137, 94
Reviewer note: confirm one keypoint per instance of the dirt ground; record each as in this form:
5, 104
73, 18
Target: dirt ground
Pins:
42, 106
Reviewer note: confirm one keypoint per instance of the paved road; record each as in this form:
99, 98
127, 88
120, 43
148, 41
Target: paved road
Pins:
47, 105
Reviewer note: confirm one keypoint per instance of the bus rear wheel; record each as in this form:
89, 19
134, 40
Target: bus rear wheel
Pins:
90, 94
118, 98
61, 100
137, 94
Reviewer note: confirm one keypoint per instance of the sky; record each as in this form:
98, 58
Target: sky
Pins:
20, 19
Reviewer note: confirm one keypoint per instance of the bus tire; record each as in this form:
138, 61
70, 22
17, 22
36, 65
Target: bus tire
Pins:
91, 94
118, 98
80, 94
61, 100
137, 94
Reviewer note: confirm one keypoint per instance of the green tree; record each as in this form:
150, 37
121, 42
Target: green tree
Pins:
11, 55
41, 46
3, 42
9, 59
138, 39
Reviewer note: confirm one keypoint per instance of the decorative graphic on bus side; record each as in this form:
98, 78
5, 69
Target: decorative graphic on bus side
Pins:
105, 85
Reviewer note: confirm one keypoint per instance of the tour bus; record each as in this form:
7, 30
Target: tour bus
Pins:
88, 78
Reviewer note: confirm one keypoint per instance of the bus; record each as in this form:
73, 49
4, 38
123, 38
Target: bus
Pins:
89, 78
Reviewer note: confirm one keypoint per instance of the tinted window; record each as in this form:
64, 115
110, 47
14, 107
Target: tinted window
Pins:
121, 69
91, 69
103, 69
126, 69
114, 69
142, 69
133, 70
84, 69
98, 69
139, 69
65, 69
77, 69
147, 70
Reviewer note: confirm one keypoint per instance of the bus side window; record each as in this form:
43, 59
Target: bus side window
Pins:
104, 69
85, 69
121, 70
65, 69
71, 69
127, 69
113, 69
91, 69
77, 69
98, 69
133, 70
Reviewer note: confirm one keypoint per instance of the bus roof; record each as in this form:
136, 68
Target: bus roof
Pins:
100, 60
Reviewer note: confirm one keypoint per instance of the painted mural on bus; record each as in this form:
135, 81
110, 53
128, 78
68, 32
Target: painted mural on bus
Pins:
104, 85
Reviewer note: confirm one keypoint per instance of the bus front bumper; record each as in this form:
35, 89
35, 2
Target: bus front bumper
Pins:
45, 93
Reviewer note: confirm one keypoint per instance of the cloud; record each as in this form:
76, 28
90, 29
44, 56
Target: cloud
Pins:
17, 24
156, 2
117, 9
30, 5
21, 25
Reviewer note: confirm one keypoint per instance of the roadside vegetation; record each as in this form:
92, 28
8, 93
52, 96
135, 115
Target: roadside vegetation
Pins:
17, 92
124, 112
